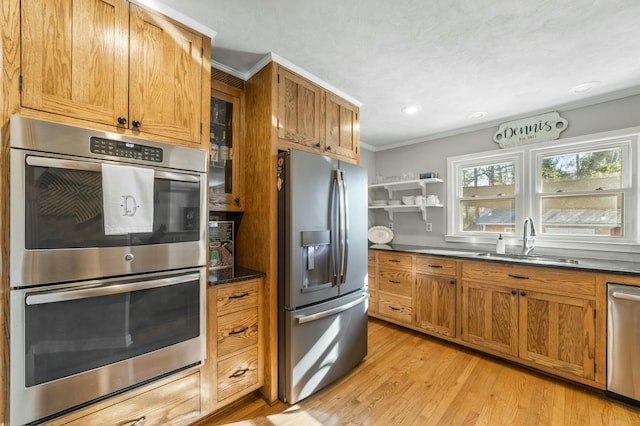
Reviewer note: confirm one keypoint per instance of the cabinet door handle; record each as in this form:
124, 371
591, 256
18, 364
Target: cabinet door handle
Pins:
318, 145
136, 124
122, 121
238, 296
139, 421
242, 330
523, 293
520, 277
239, 373
452, 282
236, 200
329, 148
513, 291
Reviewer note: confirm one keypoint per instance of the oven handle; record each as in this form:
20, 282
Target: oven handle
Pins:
97, 167
85, 293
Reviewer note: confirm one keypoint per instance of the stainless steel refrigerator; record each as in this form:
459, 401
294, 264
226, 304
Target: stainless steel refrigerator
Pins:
322, 271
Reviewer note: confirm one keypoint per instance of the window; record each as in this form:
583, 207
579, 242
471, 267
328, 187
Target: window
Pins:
486, 194
576, 191
582, 190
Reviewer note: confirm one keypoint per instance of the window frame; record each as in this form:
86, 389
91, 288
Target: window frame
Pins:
528, 191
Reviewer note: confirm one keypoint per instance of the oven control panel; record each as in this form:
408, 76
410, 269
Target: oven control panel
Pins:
125, 149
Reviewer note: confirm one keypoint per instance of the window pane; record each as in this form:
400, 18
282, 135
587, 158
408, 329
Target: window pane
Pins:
583, 215
497, 215
488, 180
582, 171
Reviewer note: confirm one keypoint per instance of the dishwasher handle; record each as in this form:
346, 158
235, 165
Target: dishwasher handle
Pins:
625, 296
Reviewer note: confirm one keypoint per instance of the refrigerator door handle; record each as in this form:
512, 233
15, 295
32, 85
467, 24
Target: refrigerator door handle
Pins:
345, 222
341, 227
329, 312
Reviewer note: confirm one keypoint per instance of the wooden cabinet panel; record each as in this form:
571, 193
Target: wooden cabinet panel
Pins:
237, 373
299, 103
395, 260
231, 298
87, 77
373, 301
166, 82
558, 332
341, 135
490, 316
395, 281
176, 403
435, 304
436, 266
237, 331
394, 307
372, 281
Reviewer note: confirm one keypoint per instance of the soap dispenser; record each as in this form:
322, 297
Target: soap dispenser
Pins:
500, 245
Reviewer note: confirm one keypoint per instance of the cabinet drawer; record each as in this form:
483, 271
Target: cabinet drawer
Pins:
395, 260
436, 266
396, 282
551, 280
371, 278
235, 297
237, 373
176, 403
396, 307
237, 331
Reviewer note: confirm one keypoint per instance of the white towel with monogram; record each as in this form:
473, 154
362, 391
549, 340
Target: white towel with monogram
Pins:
127, 198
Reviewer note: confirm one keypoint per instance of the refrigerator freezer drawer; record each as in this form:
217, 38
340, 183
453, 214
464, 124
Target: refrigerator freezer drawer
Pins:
322, 343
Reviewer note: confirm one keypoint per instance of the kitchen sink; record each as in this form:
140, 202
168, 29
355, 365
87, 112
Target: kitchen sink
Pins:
533, 258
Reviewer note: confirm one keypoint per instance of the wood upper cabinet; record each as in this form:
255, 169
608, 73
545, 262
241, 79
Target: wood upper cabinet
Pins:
545, 316
316, 120
113, 63
75, 58
342, 127
165, 89
434, 302
299, 103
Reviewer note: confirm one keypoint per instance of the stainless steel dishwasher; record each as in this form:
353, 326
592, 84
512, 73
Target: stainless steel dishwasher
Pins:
623, 341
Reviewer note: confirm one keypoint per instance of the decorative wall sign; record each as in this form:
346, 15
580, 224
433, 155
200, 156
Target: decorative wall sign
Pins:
541, 128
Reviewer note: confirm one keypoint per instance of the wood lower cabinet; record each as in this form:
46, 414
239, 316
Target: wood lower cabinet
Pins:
234, 357
115, 63
168, 402
544, 316
395, 286
434, 301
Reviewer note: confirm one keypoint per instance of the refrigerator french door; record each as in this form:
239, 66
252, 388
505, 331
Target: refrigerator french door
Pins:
322, 271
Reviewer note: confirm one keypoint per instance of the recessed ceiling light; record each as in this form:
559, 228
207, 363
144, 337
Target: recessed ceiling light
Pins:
585, 87
478, 114
411, 109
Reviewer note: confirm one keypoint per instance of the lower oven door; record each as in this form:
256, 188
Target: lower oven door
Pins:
74, 343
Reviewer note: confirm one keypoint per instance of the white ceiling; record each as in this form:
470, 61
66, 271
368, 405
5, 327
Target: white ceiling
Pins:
510, 58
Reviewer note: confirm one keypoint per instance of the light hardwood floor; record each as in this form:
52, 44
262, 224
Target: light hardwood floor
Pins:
412, 379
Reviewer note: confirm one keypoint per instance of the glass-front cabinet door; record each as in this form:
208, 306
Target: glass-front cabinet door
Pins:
224, 155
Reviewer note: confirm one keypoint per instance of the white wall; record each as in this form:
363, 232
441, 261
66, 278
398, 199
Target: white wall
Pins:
432, 156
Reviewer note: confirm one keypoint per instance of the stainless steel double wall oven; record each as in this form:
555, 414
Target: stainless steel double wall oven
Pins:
93, 314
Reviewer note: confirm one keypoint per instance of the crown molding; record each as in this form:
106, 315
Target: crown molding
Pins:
178, 16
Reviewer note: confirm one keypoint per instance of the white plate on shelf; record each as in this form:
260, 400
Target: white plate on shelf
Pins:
380, 235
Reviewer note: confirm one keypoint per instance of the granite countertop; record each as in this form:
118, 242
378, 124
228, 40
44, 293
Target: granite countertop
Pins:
232, 275
564, 262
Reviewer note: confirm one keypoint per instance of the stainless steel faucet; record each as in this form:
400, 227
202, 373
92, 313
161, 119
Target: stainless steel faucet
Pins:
528, 240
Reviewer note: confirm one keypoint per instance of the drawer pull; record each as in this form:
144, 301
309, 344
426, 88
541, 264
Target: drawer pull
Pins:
139, 421
393, 261
394, 282
393, 308
239, 373
520, 277
239, 296
242, 330
435, 266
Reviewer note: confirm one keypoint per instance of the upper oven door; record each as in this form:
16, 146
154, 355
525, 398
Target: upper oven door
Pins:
57, 227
